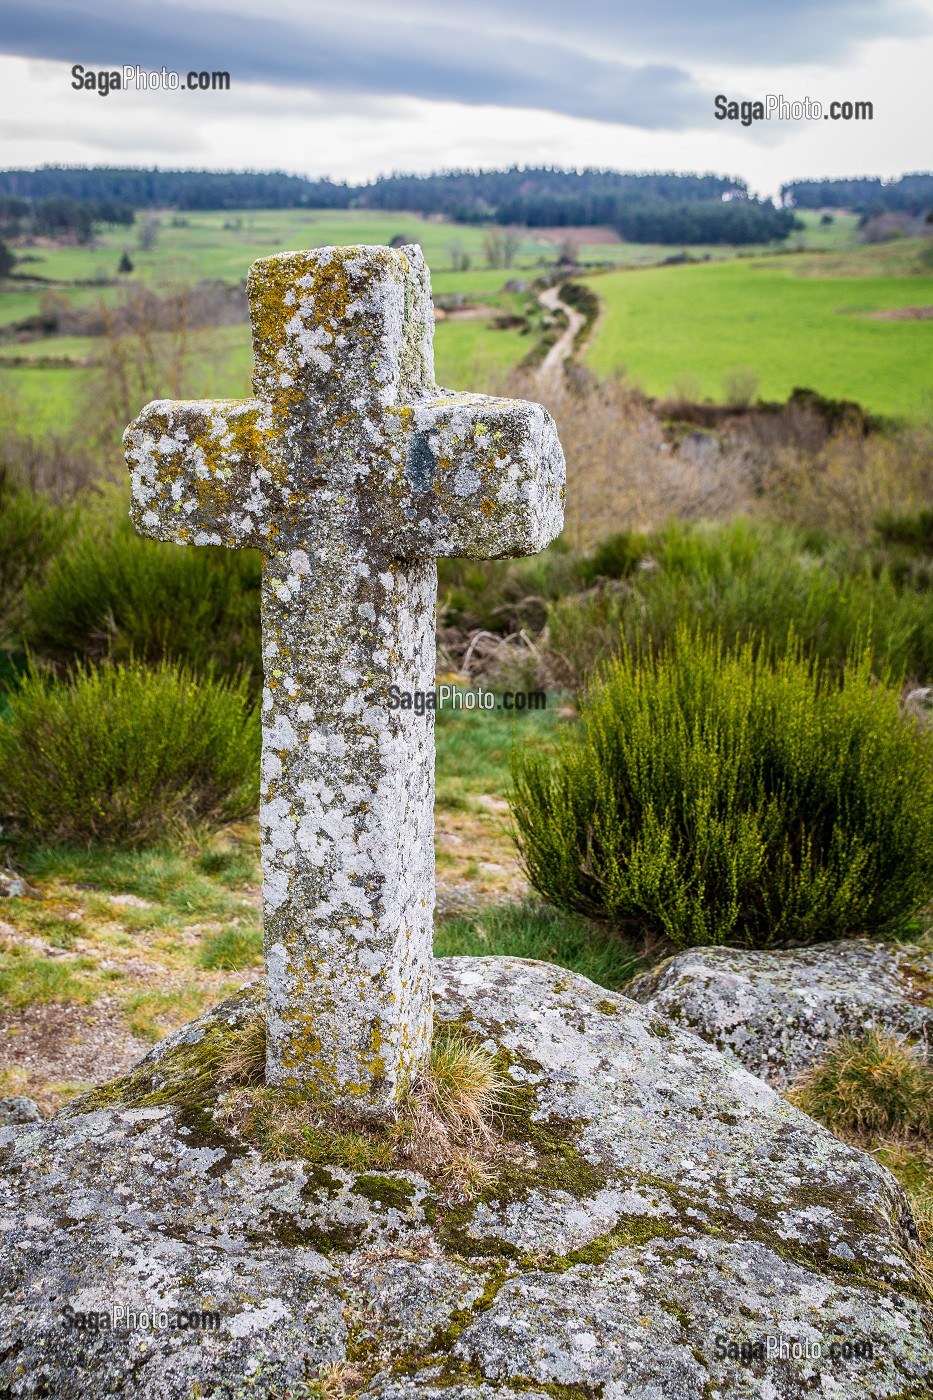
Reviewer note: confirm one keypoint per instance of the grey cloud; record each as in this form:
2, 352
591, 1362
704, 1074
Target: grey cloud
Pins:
596, 60
726, 31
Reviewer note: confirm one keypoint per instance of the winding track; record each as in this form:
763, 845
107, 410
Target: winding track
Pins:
562, 348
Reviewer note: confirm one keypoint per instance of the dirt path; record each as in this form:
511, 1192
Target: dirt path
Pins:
562, 348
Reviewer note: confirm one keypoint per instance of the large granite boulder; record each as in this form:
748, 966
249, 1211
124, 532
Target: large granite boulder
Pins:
779, 1012
660, 1225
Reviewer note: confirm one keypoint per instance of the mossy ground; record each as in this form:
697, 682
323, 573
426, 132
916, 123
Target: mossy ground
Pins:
216, 1082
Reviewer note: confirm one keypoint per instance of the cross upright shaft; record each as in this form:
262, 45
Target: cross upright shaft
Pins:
352, 473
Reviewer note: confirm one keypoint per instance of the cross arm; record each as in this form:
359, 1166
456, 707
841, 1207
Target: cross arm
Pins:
202, 473
474, 477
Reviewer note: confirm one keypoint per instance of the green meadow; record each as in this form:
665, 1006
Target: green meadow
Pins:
804, 315
793, 320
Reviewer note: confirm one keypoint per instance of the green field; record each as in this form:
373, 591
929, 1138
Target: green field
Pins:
196, 246
793, 320
802, 316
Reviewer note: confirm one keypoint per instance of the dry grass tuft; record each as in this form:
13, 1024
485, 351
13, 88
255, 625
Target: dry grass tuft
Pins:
244, 1062
334, 1382
875, 1094
878, 1083
464, 1086
445, 1127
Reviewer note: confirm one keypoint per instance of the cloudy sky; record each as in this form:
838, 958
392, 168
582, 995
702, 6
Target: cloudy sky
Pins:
364, 87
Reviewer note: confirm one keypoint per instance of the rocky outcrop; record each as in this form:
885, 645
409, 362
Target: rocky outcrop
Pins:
657, 1224
778, 1012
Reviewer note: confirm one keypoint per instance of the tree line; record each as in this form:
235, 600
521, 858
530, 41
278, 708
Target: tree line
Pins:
734, 221
58, 215
912, 194
657, 207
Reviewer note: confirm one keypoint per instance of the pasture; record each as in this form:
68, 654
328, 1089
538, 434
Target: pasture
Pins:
806, 315
793, 320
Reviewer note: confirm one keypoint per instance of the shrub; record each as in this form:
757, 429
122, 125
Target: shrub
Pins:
122, 753
714, 799
873, 1084
32, 531
114, 593
745, 580
914, 532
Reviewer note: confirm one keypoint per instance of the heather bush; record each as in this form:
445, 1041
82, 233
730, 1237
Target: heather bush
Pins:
743, 580
33, 530
125, 754
711, 797
112, 593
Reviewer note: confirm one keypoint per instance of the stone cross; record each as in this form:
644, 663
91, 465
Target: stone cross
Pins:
352, 473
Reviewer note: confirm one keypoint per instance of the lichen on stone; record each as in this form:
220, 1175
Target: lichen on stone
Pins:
352, 473
696, 1203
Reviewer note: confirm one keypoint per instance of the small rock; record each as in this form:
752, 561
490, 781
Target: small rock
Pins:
15, 887
700, 449
19, 1109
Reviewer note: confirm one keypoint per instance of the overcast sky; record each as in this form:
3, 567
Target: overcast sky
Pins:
364, 87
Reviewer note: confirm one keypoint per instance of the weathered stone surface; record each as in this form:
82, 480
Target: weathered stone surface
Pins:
779, 1012
655, 1197
19, 1109
352, 473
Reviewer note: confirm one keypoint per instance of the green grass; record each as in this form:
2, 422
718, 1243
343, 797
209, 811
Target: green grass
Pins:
681, 320
474, 750
776, 315
468, 355
47, 400
537, 930
232, 949
151, 1015
179, 884
79, 348
26, 979
204, 248
472, 354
